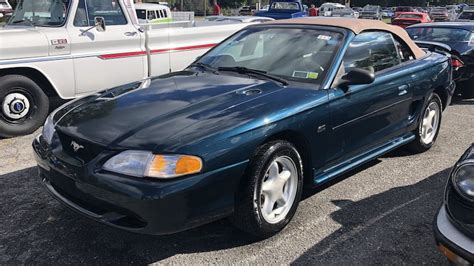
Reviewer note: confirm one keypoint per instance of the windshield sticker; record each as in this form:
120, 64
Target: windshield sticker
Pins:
305, 74
324, 37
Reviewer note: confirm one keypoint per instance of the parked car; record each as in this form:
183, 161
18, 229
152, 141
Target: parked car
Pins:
5, 8
443, 14
410, 18
403, 9
275, 106
59, 51
454, 223
466, 15
326, 9
460, 38
247, 11
345, 12
388, 13
371, 12
153, 13
284, 9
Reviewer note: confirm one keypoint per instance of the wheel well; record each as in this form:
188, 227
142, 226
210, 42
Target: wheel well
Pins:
443, 94
35, 75
302, 145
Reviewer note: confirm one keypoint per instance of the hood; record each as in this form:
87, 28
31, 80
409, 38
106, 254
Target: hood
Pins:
176, 110
22, 42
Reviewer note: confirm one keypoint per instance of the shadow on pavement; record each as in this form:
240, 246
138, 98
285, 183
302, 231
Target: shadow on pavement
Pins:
391, 227
36, 229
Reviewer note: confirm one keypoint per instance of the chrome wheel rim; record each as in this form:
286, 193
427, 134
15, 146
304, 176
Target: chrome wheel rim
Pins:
278, 190
15, 106
430, 123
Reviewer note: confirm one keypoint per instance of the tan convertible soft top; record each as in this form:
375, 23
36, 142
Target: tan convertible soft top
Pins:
357, 26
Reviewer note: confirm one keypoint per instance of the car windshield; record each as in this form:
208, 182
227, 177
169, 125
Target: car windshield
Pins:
4, 4
439, 10
439, 34
285, 5
294, 54
370, 8
48, 13
467, 15
410, 16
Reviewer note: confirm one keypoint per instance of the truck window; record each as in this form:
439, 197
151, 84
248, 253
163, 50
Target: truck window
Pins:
374, 51
141, 13
88, 10
41, 13
151, 15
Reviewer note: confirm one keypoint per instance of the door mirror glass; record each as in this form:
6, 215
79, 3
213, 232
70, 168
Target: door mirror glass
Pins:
356, 76
99, 23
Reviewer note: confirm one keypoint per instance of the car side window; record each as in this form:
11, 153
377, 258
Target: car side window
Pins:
88, 10
404, 52
374, 51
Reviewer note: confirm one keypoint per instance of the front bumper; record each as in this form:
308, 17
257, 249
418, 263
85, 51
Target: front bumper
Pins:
139, 205
451, 242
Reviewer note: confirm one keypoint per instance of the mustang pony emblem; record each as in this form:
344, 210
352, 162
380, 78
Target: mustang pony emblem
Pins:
76, 146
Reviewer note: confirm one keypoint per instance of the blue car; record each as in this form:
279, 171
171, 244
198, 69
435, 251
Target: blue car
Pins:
273, 109
284, 9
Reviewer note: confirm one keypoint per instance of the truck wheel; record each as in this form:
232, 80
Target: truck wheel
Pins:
429, 125
24, 106
269, 196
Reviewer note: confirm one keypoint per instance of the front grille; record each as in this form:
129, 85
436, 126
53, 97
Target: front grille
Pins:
81, 150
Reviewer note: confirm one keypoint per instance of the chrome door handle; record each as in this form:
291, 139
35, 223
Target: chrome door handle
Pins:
130, 33
402, 90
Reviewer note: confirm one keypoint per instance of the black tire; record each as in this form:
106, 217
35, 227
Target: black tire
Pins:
38, 106
247, 215
417, 145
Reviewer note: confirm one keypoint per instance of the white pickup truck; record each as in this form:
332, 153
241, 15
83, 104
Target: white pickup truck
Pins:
69, 48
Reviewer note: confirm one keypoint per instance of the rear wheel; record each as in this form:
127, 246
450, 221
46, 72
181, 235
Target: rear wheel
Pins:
272, 189
429, 125
24, 106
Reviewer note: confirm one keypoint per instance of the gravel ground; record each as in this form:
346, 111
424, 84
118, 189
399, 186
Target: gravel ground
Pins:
382, 214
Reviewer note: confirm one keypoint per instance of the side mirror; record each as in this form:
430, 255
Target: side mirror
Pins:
357, 76
99, 23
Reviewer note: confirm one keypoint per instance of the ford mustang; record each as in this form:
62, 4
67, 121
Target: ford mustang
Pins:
239, 133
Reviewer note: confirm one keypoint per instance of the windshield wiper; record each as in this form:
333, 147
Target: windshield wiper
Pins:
244, 70
205, 66
24, 20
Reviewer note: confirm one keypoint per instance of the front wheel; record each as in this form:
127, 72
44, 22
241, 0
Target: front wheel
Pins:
24, 106
271, 191
429, 125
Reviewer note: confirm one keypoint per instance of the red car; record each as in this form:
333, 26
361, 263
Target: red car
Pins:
406, 19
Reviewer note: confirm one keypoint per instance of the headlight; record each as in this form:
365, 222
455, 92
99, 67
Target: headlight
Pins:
146, 164
463, 180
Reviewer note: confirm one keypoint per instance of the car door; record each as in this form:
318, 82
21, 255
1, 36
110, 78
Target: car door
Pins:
104, 59
367, 116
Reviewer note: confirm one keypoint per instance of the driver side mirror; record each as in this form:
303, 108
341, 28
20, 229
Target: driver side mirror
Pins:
99, 23
357, 76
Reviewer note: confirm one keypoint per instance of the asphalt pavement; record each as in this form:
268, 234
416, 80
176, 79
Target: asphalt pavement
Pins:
381, 213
